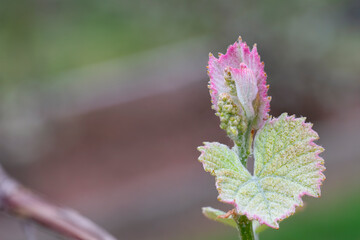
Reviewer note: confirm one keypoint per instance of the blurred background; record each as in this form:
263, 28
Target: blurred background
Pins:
103, 103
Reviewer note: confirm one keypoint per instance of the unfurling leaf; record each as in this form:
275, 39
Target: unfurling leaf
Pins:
220, 216
240, 74
216, 215
287, 166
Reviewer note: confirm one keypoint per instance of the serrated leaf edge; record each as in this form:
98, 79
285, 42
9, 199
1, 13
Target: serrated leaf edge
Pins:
292, 209
320, 180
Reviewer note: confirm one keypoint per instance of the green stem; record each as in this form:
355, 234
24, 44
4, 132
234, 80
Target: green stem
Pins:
248, 141
244, 148
244, 225
245, 228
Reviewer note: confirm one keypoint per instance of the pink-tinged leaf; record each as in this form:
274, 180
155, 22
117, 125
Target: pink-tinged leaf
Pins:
252, 60
246, 88
237, 54
216, 71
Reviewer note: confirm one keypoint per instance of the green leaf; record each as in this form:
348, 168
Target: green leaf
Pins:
287, 166
218, 157
215, 214
224, 163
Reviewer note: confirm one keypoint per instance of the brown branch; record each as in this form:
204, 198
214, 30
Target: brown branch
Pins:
21, 202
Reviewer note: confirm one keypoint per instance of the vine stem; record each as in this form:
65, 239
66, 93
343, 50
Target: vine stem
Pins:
245, 150
245, 227
21, 202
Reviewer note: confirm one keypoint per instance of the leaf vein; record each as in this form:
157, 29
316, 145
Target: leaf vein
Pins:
278, 152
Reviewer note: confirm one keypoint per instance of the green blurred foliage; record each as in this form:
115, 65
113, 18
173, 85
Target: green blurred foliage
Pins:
39, 39
338, 220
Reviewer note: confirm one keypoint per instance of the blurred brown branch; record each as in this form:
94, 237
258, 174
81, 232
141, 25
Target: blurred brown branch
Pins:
21, 202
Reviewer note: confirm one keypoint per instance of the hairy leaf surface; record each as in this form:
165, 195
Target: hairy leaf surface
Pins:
215, 214
287, 166
219, 216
